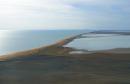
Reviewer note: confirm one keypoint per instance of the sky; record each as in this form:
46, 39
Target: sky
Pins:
64, 14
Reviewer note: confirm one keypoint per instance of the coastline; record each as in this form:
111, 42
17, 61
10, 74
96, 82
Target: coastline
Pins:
58, 49
54, 65
46, 50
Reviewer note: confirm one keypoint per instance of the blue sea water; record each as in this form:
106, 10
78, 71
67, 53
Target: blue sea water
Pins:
19, 40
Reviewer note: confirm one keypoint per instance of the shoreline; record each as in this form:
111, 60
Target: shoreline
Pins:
58, 49
54, 65
45, 50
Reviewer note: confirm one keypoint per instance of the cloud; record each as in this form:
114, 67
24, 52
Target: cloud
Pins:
66, 14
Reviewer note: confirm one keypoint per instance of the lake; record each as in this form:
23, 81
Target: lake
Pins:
95, 42
19, 40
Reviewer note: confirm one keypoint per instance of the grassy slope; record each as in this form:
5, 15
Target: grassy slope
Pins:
97, 68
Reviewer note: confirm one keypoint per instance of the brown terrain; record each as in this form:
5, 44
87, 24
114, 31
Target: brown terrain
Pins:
54, 65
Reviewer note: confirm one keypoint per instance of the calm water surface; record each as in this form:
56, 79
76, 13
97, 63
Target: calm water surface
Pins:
101, 42
12, 41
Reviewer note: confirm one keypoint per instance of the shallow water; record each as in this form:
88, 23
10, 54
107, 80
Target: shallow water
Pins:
101, 42
12, 41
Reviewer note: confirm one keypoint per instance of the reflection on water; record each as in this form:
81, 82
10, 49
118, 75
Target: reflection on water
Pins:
11, 41
101, 42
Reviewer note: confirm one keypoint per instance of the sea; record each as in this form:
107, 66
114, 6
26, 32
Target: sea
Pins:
21, 40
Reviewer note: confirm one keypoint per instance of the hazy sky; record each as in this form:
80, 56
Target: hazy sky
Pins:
64, 14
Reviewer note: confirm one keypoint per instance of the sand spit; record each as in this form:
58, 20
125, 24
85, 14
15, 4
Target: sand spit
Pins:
54, 49
58, 49
54, 65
